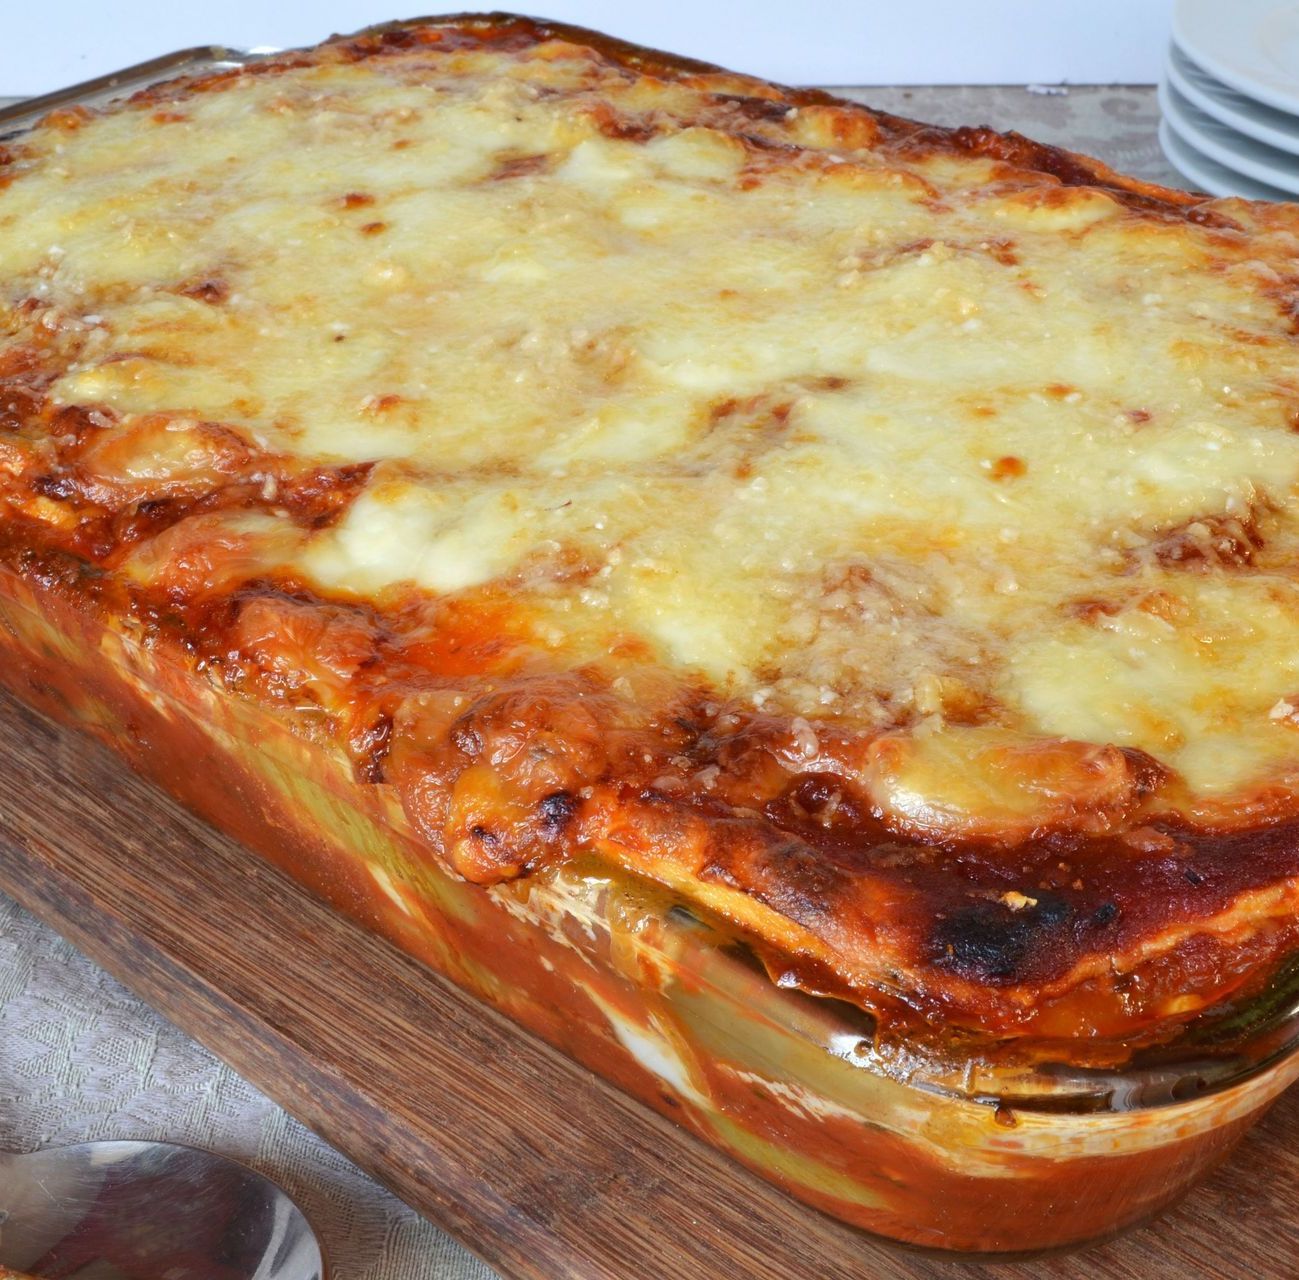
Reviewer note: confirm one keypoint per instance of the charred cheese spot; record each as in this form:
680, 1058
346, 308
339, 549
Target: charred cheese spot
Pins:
997, 941
519, 167
1007, 467
1215, 541
206, 289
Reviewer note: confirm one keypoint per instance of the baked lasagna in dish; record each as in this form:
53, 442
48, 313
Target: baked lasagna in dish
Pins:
587, 512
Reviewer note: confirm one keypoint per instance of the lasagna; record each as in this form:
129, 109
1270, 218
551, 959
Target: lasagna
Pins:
881, 537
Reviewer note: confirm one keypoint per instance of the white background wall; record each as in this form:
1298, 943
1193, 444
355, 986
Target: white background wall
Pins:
50, 43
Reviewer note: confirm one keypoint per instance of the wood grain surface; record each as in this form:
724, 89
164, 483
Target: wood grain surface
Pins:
530, 1160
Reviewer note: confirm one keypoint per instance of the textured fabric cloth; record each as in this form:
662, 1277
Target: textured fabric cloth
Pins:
81, 1058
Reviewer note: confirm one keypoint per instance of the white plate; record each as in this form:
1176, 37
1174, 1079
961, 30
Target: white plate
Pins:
1208, 175
1267, 124
1251, 45
1222, 143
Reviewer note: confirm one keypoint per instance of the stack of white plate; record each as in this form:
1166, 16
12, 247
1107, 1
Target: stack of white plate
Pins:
1230, 97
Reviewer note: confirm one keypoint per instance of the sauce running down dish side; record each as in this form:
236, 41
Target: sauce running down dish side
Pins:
602, 520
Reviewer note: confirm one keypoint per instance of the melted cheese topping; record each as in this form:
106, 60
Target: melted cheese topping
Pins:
895, 445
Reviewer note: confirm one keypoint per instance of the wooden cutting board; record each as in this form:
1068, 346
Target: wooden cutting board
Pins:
528, 1159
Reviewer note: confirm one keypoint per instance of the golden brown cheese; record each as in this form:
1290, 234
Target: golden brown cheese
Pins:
884, 536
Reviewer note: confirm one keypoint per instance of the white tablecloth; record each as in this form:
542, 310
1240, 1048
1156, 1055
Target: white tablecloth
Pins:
81, 1058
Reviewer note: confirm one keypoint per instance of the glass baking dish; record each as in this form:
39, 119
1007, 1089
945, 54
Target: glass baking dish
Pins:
968, 1149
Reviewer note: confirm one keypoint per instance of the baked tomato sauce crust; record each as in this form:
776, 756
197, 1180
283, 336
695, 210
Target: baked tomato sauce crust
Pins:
1119, 919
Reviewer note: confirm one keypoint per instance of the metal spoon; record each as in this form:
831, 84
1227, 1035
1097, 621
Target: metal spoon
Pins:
149, 1211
